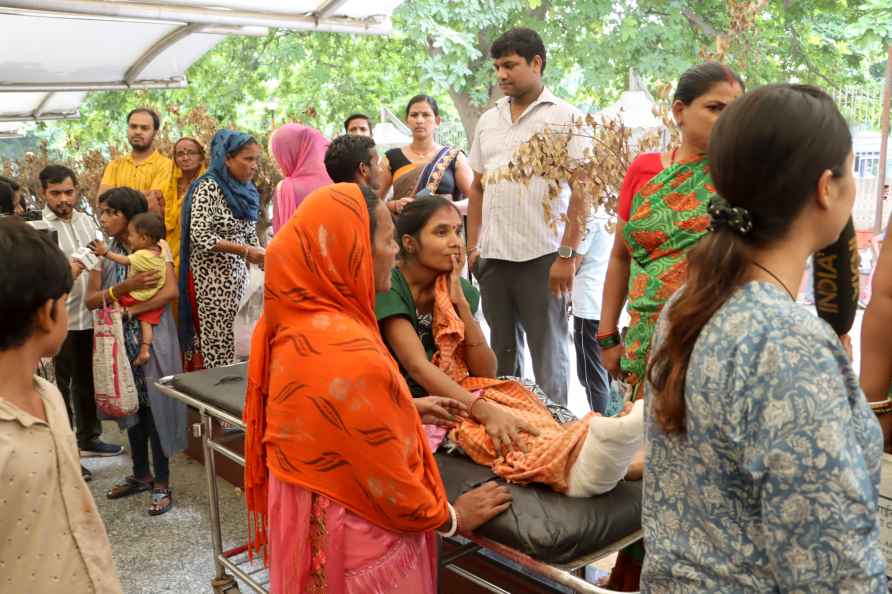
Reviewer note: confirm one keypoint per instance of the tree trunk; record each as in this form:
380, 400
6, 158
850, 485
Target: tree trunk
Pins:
468, 112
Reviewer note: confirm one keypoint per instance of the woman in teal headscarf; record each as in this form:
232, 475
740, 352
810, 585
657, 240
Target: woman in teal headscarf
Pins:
219, 239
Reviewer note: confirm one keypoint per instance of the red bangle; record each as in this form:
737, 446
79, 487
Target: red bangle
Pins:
475, 396
606, 334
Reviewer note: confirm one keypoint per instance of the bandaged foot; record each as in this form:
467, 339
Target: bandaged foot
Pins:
609, 448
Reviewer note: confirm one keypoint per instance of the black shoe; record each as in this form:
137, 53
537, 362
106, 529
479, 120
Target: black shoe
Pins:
98, 448
86, 474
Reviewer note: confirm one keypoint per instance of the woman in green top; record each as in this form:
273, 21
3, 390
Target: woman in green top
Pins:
429, 232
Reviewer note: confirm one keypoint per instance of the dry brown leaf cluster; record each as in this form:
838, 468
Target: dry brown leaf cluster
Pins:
737, 40
607, 147
89, 164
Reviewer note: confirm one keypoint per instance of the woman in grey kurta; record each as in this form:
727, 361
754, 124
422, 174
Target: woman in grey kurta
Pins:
763, 456
160, 422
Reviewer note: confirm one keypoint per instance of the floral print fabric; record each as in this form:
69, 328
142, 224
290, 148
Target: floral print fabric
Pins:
774, 486
668, 217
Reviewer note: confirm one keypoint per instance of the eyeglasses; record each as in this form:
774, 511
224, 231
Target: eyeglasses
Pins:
187, 153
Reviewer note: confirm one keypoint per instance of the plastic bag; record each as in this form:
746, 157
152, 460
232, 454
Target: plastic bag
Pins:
248, 313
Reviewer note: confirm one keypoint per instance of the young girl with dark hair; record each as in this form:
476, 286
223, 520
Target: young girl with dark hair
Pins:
428, 322
763, 456
429, 232
160, 422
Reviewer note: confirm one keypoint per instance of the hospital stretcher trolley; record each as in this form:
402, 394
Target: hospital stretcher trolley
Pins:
218, 396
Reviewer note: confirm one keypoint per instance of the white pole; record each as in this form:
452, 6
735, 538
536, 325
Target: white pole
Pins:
380, 25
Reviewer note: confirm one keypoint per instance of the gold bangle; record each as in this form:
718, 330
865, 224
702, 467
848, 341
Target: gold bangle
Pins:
881, 407
111, 294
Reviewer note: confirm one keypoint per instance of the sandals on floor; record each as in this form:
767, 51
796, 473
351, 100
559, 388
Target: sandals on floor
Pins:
158, 496
130, 486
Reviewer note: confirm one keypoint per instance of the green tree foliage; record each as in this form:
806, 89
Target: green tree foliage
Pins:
442, 48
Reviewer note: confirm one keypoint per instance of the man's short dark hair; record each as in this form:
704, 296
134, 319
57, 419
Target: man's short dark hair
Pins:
56, 174
357, 116
151, 112
521, 41
344, 155
34, 271
149, 224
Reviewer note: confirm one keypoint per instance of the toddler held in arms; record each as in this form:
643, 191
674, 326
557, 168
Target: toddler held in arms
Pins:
148, 254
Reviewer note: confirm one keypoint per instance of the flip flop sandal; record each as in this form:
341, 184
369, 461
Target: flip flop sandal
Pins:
129, 487
159, 495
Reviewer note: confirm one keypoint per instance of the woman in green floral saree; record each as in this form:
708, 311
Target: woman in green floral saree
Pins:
663, 216
669, 217
666, 218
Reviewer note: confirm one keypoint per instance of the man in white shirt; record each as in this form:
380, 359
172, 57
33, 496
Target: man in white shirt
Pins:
520, 246
588, 287
74, 363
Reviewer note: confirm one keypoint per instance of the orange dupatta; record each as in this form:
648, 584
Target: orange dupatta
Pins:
549, 455
327, 408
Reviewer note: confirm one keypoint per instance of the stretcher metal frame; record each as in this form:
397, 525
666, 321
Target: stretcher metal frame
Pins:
253, 573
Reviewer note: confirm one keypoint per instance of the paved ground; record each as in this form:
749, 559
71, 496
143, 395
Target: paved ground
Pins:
168, 554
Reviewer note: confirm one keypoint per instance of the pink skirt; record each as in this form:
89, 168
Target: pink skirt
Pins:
318, 546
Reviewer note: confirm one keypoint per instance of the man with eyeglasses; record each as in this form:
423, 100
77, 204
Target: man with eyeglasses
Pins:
144, 169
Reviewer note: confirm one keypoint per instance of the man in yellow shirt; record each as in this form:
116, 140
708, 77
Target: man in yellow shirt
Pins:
144, 169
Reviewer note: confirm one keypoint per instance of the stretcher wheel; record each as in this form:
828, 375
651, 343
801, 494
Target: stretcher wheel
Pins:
225, 585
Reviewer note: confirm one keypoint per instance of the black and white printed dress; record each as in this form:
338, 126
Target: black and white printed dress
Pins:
220, 279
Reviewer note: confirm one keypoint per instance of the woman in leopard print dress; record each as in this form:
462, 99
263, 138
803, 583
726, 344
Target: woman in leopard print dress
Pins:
219, 240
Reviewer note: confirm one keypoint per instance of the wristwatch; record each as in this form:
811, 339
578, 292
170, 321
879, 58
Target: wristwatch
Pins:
566, 252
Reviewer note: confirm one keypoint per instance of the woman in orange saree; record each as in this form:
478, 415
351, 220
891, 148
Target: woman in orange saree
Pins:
340, 481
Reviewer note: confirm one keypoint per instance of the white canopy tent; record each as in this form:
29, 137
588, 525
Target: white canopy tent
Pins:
53, 52
635, 107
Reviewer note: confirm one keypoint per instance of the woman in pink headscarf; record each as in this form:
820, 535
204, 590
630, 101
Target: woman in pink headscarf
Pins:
300, 152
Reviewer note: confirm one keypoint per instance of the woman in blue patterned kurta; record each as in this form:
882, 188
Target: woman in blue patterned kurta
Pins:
763, 456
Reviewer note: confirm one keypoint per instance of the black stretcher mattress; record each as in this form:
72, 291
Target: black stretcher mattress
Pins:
540, 523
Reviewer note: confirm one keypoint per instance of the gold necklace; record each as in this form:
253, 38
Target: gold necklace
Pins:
421, 155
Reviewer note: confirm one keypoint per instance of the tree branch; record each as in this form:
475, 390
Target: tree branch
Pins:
799, 51
699, 22
541, 10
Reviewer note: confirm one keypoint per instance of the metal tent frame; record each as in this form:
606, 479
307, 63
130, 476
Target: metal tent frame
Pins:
141, 44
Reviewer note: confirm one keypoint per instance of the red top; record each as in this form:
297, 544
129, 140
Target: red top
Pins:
642, 170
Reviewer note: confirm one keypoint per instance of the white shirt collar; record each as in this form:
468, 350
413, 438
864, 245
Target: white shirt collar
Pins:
546, 96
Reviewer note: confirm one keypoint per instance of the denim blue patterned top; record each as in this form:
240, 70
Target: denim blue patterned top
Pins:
774, 486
